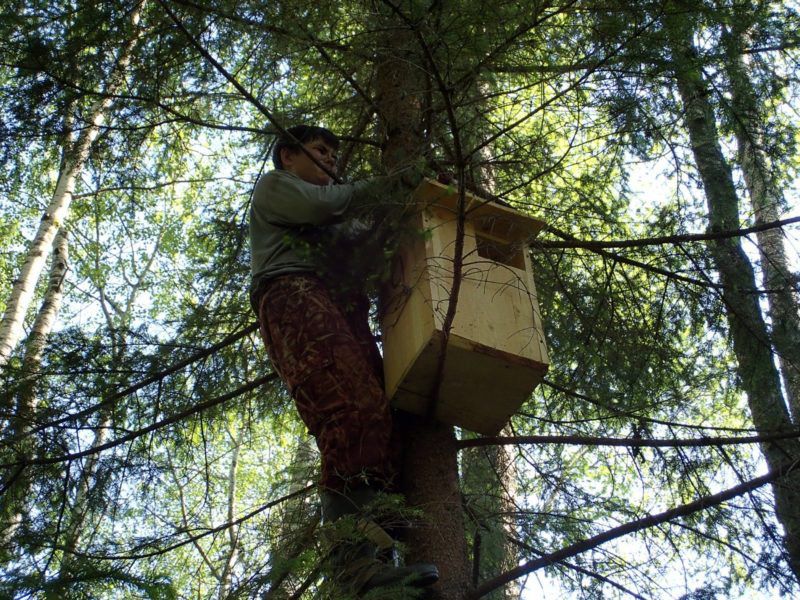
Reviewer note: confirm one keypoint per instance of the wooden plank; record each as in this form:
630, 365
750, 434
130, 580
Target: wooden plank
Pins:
431, 193
407, 321
496, 353
482, 387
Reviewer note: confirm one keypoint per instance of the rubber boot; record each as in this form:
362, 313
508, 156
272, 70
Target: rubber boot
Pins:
356, 557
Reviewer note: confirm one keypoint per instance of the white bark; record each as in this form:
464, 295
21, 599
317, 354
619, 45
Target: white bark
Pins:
46, 317
11, 326
233, 530
14, 501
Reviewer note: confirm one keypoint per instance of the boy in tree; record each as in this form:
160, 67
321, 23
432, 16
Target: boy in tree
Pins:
318, 336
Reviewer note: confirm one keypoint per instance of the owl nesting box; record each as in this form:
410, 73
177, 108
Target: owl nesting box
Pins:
496, 353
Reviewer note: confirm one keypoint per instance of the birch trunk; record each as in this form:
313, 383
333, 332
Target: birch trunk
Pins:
11, 326
751, 344
79, 512
766, 200
233, 530
430, 478
15, 499
299, 522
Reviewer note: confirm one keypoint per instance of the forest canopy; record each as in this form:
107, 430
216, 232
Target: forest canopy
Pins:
148, 448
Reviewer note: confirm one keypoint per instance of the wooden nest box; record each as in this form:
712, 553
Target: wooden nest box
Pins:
496, 353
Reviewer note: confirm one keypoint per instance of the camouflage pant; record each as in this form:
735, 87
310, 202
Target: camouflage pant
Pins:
328, 360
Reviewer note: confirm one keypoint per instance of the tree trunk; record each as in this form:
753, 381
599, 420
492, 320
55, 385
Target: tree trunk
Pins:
766, 200
233, 530
430, 471
750, 338
430, 482
80, 511
489, 479
11, 326
489, 472
15, 499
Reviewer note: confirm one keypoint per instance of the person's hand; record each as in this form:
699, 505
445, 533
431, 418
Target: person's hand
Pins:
446, 178
411, 176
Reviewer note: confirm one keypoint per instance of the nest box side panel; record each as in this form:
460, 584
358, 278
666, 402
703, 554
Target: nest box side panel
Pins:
544, 358
481, 387
484, 386
497, 304
407, 323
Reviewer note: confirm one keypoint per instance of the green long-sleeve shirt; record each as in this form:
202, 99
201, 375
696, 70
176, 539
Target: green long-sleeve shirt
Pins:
285, 208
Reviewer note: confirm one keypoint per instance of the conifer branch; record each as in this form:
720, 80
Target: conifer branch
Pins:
632, 527
571, 242
155, 378
584, 440
195, 409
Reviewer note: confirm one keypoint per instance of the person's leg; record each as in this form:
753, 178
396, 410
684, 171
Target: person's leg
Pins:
334, 384
357, 315
340, 398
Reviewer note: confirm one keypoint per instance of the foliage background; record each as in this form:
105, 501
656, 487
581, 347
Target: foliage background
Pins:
161, 458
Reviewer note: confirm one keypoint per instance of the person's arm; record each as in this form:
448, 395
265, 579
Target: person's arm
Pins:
290, 201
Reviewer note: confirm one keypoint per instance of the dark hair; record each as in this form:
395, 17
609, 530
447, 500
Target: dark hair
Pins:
303, 134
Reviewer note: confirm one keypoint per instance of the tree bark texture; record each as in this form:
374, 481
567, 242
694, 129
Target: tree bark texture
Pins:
489, 480
430, 477
11, 326
13, 503
766, 199
431, 484
751, 342
489, 473
81, 510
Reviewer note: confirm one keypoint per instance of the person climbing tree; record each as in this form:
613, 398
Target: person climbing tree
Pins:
316, 331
